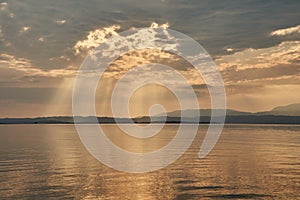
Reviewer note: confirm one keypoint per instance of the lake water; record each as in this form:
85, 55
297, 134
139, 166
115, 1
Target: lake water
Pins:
248, 162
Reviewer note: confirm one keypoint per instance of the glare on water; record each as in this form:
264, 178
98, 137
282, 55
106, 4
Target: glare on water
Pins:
249, 162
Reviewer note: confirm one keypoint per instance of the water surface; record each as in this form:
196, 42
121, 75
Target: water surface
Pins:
249, 162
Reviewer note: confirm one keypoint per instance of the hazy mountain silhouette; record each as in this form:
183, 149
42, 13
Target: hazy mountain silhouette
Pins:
203, 112
289, 110
289, 114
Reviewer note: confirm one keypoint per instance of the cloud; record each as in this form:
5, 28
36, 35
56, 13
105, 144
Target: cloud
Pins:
276, 72
283, 54
22, 70
286, 31
223, 28
145, 55
41, 39
131, 59
231, 89
11, 61
142, 57
156, 25
214, 26
3, 6
229, 49
25, 29
61, 22
94, 38
276, 65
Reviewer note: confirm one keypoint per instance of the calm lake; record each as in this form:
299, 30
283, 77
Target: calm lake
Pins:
248, 162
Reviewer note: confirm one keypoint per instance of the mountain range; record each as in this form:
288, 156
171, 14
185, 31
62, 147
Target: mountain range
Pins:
289, 110
289, 114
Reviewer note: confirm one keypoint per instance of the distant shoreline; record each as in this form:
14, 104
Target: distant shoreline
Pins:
249, 119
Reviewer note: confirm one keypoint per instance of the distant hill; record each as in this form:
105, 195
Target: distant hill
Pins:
204, 112
280, 115
289, 110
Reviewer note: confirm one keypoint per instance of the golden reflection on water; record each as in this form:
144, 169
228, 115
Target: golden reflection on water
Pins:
139, 145
249, 162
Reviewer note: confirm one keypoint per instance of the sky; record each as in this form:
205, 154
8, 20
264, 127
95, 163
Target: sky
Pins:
255, 44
